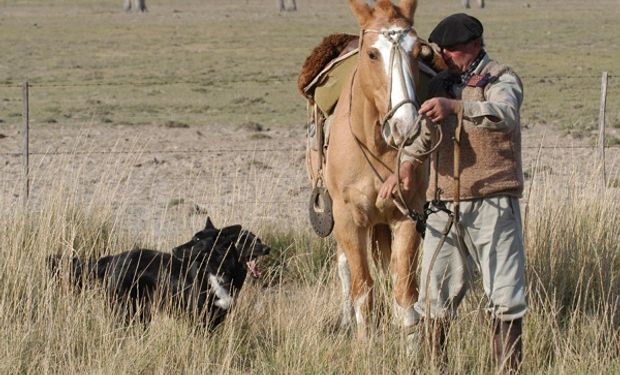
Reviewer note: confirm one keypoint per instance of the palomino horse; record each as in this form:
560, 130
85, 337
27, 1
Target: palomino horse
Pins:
380, 93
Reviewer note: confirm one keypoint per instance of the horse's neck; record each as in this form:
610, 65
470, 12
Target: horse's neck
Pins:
365, 121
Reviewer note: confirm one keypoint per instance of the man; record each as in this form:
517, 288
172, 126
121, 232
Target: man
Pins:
485, 97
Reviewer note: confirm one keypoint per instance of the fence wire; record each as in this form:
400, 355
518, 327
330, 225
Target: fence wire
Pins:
232, 150
206, 82
201, 82
149, 152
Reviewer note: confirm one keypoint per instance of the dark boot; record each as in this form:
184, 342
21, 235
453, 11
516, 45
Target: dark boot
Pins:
507, 345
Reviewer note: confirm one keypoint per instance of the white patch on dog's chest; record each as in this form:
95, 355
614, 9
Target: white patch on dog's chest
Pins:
224, 299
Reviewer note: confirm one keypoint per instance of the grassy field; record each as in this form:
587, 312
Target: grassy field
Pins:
286, 323
229, 63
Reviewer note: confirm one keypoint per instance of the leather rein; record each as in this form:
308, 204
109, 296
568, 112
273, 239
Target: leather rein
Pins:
394, 36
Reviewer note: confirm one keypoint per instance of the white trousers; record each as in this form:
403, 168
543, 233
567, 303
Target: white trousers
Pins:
489, 238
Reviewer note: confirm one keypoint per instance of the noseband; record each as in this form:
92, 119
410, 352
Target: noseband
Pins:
396, 50
395, 37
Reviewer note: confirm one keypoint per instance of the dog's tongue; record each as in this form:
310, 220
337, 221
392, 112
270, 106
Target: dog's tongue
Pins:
253, 268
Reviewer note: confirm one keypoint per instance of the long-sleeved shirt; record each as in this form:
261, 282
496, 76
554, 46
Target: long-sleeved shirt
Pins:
490, 154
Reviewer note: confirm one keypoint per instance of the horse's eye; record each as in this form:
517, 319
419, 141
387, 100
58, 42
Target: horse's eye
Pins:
373, 55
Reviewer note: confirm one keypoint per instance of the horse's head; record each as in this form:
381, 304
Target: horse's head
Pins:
388, 69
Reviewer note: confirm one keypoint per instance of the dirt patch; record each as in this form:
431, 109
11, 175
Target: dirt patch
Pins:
251, 174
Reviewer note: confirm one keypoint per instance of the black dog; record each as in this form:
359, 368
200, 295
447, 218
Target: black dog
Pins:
201, 277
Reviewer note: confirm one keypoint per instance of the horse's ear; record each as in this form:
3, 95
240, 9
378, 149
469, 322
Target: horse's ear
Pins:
407, 7
362, 11
430, 53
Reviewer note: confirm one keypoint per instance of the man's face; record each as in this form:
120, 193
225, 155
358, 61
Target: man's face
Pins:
460, 56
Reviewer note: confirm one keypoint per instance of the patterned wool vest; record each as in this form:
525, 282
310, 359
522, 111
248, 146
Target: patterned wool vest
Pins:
490, 161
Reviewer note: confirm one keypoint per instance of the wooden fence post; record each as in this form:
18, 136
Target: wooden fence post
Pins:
601, 128
26, 151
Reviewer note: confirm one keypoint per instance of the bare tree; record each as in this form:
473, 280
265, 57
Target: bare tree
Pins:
282, 6
137, 5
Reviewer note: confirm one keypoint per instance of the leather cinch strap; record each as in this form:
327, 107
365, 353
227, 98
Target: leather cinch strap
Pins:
457, 159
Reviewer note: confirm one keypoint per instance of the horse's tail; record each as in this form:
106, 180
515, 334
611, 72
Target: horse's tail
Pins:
381, 245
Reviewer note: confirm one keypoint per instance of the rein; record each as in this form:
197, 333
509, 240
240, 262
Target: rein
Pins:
454, 215
394, 36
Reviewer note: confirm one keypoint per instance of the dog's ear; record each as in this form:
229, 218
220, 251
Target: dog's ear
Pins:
209, 224
231, 231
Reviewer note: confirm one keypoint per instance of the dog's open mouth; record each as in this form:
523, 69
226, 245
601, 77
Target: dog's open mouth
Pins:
253, 268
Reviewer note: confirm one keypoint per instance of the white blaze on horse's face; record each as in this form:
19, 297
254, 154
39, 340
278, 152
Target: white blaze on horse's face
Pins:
402, 87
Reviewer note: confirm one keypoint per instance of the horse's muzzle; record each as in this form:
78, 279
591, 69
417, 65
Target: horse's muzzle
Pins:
400, 127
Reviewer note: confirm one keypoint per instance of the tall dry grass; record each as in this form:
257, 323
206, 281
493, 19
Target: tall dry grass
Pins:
287, 322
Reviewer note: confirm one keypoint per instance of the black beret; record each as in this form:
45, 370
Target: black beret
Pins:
455, 29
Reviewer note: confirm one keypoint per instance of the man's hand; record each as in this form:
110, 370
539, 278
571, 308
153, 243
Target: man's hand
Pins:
437, 109
406, 175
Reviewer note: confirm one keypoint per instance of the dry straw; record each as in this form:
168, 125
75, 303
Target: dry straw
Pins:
288, 322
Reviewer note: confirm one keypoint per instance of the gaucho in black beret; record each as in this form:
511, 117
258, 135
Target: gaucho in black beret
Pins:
456, 29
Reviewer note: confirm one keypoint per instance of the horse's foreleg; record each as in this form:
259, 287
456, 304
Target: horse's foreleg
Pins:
344, 273
361, 295
353, 243
403, 264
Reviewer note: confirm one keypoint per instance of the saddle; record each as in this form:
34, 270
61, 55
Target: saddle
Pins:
328, 62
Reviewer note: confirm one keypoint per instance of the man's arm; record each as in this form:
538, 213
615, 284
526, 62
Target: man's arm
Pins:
500, 110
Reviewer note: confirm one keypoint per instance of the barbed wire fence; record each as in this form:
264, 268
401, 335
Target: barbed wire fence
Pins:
175, 80
600, 147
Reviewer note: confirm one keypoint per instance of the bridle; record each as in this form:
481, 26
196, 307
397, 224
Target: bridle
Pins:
394, 36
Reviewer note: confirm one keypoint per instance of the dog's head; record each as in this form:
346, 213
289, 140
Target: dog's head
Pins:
201, 241
247, 247
222, 258
250, 247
